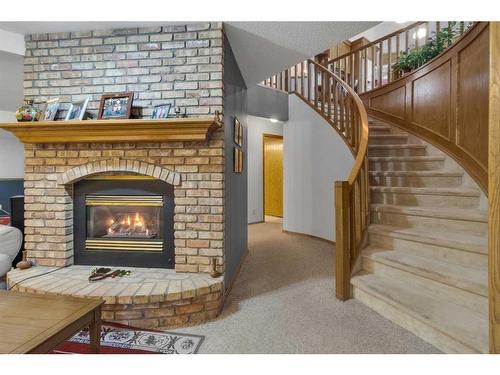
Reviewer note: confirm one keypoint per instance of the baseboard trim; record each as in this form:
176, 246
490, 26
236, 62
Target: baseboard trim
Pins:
256, 222
308, 235
236, 275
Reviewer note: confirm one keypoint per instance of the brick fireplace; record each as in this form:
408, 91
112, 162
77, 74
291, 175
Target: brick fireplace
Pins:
194, 169
184, 65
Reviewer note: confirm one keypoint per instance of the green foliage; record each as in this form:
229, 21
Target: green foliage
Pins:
412, 59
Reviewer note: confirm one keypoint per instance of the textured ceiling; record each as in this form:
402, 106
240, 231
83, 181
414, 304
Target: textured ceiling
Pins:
266, 48
261, 48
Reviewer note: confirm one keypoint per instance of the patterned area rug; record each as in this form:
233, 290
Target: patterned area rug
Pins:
120, 339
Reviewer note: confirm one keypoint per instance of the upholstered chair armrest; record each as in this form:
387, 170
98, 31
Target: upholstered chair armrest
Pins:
10, 241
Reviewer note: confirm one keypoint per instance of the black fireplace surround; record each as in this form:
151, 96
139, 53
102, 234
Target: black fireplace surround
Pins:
124, 223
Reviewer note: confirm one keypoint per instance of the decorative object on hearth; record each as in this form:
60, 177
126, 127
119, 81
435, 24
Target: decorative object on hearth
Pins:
161, 110
25, 263
122, 339
103, 273
50, 110
77, 110
115, 106
215, 272
238, 132
28, 112
238, 160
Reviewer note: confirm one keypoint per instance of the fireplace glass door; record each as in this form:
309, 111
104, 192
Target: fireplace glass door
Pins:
124, 222
121, 222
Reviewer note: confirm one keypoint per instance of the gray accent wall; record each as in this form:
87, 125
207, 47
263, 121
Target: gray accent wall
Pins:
268, 103
235, 227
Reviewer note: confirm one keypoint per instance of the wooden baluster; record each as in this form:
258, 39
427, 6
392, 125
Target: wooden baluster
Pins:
329, 97
308, 81
342, 256
323, 89
352, 227
438, 26
389, 59
335, 104
372, 86
315, 83
407, 34
365, 76
380, 65
353, 69
449, 30
417, 42
302, 73
342, 111
398, 49
462, 27
295, 89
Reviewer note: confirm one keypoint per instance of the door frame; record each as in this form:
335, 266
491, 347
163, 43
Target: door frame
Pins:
268, 135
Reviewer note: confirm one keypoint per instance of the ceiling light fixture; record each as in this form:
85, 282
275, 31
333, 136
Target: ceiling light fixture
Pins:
273, 120
420, 33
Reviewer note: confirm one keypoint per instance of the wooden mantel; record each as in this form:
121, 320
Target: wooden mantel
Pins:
114, 131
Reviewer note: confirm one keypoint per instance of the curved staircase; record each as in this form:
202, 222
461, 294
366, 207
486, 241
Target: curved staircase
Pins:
426, 263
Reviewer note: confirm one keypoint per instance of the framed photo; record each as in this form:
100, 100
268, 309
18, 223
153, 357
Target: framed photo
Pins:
51, 108
77, 110
161, 110
238, 132
115, 106
238, 160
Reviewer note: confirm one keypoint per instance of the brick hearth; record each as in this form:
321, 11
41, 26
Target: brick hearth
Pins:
148, 298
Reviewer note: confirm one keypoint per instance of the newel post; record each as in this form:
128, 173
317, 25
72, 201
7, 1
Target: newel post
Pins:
494, 188
342, 251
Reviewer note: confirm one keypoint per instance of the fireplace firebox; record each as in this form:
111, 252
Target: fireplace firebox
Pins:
124, 223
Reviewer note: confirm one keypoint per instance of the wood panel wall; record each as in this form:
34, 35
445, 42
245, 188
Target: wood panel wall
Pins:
445, 102
494, 188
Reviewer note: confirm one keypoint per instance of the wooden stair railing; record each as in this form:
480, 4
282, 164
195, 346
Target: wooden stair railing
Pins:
371, 66
342, 108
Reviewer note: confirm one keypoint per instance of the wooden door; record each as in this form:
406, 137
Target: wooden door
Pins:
273, 175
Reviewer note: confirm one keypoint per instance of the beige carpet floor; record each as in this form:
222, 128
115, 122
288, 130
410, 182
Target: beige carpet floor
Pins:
283, 302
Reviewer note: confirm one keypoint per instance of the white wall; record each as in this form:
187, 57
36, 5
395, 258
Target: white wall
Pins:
12, 42
256, 127
314, 158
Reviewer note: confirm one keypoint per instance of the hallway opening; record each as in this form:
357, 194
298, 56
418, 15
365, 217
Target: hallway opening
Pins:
272, 149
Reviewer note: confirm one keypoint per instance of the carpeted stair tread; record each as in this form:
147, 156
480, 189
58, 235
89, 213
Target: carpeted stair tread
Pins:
441, 212
455, 327
406, 158
469, 279
460, 241
416, 173
427, 190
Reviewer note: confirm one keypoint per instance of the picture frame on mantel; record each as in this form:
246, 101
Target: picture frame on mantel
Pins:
77, 110
115, 106
50, 110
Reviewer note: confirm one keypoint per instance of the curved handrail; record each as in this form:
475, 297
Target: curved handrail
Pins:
342, 108
362, 148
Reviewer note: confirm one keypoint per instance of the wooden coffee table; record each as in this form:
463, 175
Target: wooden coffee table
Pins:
37, 323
